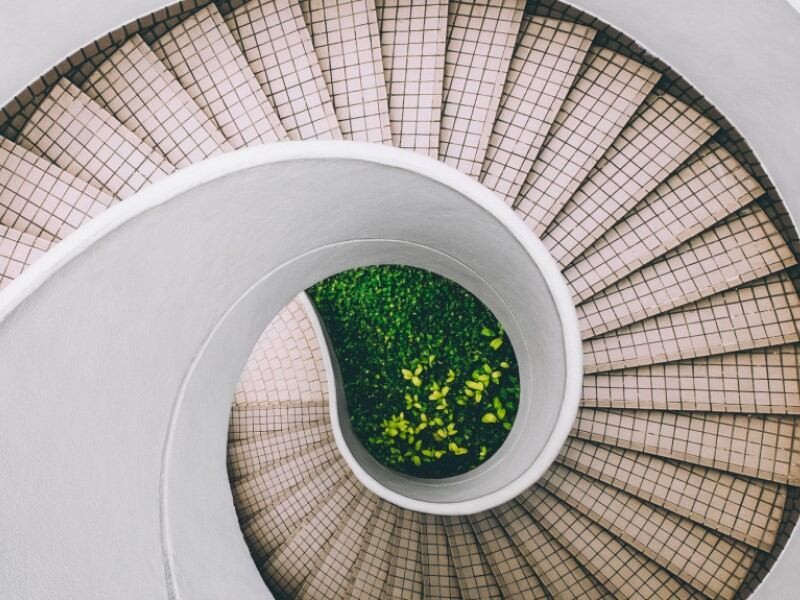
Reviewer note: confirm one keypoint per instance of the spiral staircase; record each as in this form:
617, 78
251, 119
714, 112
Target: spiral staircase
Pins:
677, 480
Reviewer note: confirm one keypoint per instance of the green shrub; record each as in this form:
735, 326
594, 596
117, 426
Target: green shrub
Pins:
430, 377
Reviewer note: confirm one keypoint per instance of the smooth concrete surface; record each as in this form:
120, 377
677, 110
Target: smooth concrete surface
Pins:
121, 348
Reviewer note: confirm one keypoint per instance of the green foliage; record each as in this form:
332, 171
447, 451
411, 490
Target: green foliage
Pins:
430, 377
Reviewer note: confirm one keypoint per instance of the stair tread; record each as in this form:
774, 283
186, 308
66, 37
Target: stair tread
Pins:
84, 139
712, 185
42, 200
748, 510
743, 247
475, 578
277, 45
413, 43
707, 561
333, 577
514, 575
375, 561
18, 250
664, 133
405, 575
546, 61
439, 577
253, 420
347, 43
136, 87
607, 92
202, 54
755, 446
248, 457
480, 44
766, 380
557, 569
270, 528
286, 361
763, 313
625, 572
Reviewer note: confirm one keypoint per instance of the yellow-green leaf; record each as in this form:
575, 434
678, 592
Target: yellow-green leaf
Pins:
489, 418
496, 343
407, 374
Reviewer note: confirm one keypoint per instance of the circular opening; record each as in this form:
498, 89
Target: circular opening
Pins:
430, 378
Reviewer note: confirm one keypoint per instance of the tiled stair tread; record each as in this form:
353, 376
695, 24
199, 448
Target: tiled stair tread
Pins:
202, 54
439, 577
625, 572
712, 185
277, 45
371, 571
473, 571
663, 134
17, 251
286, 362
709, 562
557, 569
253, 420
42, 200
748, 510
607, 92
765, 380
257, 492
347, 43
480, 44
270, 528
514, 575
247, 457
85, 140
405, 578
333, 576
763, 313
413, 44
302, 554
754, 446
136, 87
547, 58
743, 247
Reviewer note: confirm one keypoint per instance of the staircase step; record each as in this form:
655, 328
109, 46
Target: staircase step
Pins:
301, 556
334, 576
269, 529
277, 45
248, 457
748, 445
348, 44
256, 493
766, 380
17, 251
547, 58
514, 575
745, 246
137, 89
286, 362
42, 200
439, 577
413, 43
625, 572
607, 92
375, 561
556, 568
708, 562
763, 313
474, 573
202, 54
252, 420
711, 186
405, 576
664, 133
748, 510
88, 142
480, 44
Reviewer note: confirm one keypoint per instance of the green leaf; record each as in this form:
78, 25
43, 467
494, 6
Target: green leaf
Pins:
407, 374
496, 343
416, 460
416, 381
418, 370
475, 385
489, 418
